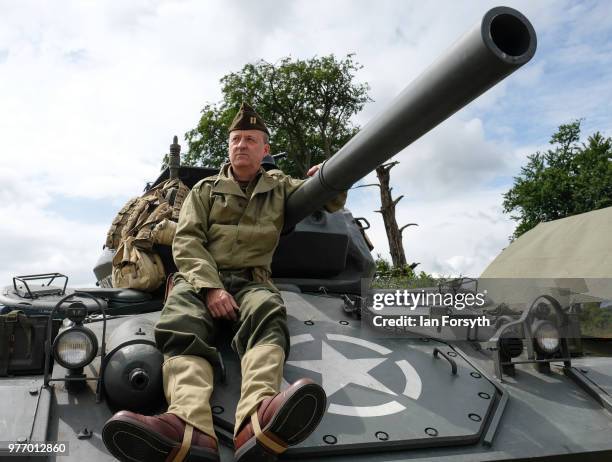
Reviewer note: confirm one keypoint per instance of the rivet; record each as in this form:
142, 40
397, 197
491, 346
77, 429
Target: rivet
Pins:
382, 436
330, 439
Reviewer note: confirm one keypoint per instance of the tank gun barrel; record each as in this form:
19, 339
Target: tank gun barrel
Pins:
498, 45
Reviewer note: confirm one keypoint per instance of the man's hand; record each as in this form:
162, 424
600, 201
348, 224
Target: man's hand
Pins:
314, 169
221, 304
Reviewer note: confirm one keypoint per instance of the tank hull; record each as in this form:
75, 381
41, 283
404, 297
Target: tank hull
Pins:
525, 417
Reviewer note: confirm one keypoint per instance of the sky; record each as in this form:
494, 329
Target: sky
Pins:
93, 92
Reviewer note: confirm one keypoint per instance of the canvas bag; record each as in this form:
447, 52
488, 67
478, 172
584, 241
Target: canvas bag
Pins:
22, 343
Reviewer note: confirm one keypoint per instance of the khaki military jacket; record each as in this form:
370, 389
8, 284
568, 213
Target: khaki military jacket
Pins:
220, 227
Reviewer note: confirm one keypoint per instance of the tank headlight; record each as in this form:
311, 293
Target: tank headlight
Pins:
511, 347
547, 337
76, 347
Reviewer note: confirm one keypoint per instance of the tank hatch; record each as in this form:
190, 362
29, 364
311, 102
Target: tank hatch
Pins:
24, 411
383, 393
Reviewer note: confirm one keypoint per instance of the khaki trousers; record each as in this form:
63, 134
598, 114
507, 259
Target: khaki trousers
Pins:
188, 385
185, 334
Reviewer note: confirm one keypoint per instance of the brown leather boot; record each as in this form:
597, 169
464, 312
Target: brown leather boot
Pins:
163, 438
283, 420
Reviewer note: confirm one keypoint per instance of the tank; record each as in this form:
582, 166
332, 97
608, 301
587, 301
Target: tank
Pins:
509, 391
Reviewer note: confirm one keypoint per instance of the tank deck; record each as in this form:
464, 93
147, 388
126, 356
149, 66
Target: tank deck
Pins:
383, 396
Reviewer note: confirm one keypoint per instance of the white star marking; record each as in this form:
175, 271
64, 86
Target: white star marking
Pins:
338, 371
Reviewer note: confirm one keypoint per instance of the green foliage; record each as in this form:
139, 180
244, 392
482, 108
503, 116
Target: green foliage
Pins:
596, 321
307, 105
388, 276
569, 179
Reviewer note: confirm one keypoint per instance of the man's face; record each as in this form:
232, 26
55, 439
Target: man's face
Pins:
246, 150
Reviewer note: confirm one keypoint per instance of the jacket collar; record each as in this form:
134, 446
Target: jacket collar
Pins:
226, 184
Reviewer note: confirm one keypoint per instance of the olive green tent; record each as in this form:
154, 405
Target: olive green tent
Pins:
579, 246
572, 255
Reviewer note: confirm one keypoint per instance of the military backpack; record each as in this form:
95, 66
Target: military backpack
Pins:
141, 223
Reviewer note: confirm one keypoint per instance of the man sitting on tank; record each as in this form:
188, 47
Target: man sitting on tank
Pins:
228, 229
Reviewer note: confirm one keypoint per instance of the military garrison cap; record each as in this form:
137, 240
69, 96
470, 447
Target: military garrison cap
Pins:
248, 119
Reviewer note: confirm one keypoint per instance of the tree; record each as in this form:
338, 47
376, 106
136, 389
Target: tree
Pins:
387, 210
569, 179
307, 105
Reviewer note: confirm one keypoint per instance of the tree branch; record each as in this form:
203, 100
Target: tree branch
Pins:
365, 185
401, 230
390, 165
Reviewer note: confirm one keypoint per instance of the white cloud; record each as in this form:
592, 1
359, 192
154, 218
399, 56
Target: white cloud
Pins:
455, 157
35, 242
458, 235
